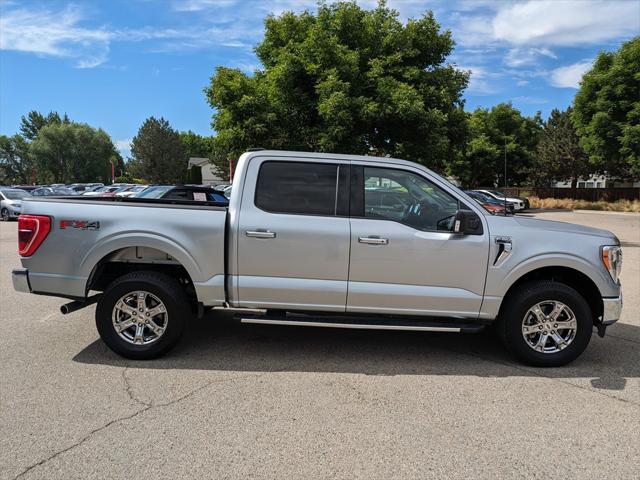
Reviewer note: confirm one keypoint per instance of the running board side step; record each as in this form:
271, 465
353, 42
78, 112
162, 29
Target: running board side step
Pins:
368, 324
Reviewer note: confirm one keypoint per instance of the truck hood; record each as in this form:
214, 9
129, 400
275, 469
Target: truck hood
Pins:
565, 227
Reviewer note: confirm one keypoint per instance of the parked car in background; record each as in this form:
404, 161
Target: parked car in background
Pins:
227, 191
11, 202
184, 192
102, 191
53, 192
84, 187
113, 193
130, 191
490, 203
26, 188
518, 203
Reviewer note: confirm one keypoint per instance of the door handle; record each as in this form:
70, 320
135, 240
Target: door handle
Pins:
374, 240
260, 234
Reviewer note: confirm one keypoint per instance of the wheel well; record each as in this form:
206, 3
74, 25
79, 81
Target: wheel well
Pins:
132, 259
570, 277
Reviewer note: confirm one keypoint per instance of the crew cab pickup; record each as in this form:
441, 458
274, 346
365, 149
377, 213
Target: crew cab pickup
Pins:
323, 240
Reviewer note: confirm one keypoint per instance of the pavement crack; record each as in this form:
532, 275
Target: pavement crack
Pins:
80, 442
145, 408
129, 389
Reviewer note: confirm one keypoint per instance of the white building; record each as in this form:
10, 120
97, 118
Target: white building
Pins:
596, 181
209, 176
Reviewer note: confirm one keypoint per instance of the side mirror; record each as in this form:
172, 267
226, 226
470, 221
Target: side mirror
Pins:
466, 222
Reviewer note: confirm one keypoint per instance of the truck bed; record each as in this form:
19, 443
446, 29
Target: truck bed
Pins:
87, 232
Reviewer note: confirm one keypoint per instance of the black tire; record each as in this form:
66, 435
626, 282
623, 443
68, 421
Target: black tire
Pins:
5, 215
168, 290
509, 324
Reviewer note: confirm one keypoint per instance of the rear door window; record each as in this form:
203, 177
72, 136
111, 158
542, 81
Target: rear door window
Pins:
302, 188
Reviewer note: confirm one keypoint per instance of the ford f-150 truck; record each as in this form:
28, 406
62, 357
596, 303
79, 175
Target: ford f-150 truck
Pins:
324, 240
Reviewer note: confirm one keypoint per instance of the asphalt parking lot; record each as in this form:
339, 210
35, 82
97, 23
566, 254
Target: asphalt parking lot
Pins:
238, 401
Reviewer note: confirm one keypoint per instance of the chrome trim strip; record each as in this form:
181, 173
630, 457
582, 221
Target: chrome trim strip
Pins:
413, 328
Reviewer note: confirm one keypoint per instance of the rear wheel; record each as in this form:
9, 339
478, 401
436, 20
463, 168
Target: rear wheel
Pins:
142, 315
545, 324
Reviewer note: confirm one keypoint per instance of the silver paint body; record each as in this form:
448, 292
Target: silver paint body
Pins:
314, 263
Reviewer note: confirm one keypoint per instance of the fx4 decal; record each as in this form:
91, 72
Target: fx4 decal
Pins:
81, 224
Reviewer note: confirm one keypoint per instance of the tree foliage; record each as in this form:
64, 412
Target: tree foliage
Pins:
346, 80
15, 162
72, 152
158, 154
607, 111
559, 155
196, 145
481, 162
31, 124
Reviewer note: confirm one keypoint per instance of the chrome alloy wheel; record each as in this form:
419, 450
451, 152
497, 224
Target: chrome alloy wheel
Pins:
549, 326
140, 318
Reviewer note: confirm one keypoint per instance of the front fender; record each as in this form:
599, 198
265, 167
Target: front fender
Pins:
604, 283
499, 282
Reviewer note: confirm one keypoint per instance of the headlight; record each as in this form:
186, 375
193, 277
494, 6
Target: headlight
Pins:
612, 260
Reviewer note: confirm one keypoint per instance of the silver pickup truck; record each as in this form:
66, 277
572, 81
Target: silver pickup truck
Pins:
324, 240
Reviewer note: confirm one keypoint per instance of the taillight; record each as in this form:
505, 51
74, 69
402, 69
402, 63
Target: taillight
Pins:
32, 230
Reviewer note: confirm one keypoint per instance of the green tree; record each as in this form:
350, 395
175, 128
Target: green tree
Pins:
15, 162
607, 111
31, 124
196, 145
559, 155
158, 154
348, 80
72, 152
481, 161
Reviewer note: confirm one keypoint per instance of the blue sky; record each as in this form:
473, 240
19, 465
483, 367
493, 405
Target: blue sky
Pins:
114, 63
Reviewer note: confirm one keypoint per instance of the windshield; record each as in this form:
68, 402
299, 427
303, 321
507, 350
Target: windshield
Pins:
497, 193
15, 194
154, 192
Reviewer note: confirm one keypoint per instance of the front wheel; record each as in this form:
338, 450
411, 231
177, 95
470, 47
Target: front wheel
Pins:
5, 215
545, 324
142, 315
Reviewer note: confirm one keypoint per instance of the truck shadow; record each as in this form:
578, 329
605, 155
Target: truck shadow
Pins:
220, 343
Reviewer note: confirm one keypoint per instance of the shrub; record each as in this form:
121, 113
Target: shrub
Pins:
573, 204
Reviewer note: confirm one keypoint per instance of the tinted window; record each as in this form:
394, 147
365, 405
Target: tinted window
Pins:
297, 188
407, 198
178, 195
154, 192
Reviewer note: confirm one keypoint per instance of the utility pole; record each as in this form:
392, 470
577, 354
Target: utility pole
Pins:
505, 176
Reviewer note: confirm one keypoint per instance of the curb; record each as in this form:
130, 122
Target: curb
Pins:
603, 212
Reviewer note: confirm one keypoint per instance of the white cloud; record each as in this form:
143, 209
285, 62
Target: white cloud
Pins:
198, 5
570, 75
565, 22
517, 57
480, 80
124, 146
60, 34
528, 100
55, 34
